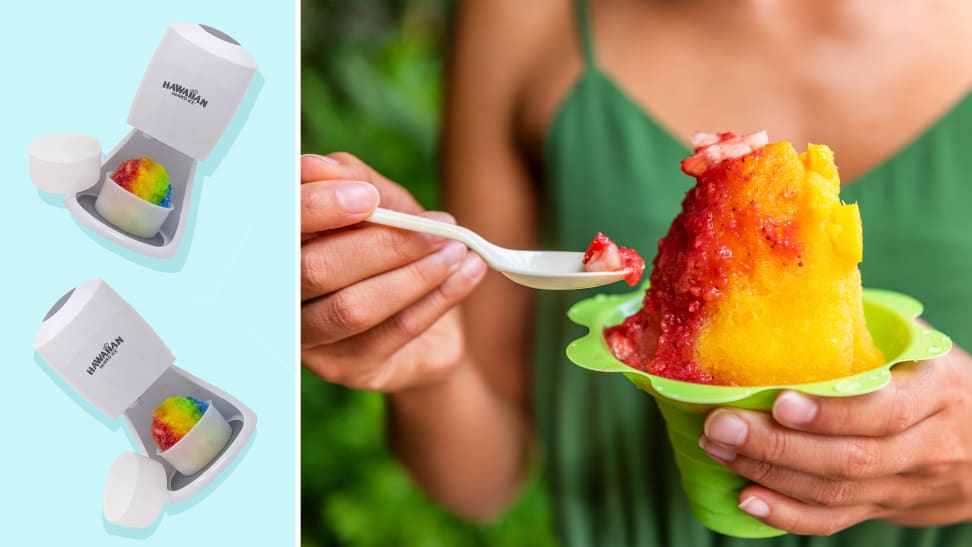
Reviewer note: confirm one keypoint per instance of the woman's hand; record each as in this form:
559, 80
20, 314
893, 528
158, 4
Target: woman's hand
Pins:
820, 465
375, 301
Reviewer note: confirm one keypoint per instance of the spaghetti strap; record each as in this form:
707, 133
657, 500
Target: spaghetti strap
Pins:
584, 31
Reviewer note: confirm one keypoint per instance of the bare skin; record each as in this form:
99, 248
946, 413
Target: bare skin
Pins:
862, 80
861, 77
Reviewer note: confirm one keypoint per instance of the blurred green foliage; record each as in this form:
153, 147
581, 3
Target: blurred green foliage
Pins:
371, 85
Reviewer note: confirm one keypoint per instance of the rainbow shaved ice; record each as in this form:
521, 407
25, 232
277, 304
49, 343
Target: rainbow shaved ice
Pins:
756, 282
175, 417
146, 179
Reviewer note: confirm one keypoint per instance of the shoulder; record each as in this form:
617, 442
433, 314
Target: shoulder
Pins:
502, 42
510, 29
520, 56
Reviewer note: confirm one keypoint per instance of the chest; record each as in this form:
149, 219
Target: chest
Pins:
866, 86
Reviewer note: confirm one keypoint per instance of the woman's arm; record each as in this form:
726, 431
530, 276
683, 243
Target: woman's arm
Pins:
466, 440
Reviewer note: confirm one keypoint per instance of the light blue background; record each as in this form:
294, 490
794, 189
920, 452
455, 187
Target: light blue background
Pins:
224, 305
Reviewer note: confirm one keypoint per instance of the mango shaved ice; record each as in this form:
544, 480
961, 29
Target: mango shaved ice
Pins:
756, 282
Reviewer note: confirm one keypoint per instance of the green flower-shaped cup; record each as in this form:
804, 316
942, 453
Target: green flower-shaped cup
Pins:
711, 488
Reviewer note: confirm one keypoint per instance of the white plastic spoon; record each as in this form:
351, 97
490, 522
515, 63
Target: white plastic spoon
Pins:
552, 270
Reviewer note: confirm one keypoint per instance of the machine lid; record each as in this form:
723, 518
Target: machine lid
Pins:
194, 84
217, 42
94, 340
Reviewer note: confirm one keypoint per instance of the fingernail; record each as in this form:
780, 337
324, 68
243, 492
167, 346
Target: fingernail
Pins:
726, 428
472, 267
794, 408
714, 449
755, 507
357, 197
323, 159
452, 254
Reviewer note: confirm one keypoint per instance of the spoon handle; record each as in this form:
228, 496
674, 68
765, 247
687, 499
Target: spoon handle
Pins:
415, 223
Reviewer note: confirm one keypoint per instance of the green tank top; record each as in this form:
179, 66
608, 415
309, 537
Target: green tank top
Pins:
609, 167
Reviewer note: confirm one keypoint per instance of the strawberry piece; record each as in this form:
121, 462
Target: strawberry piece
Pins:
713, 148
603, 255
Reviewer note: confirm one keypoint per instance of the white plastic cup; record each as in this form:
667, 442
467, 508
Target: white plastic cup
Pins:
129, 212
201, 444
64, 163
135, 491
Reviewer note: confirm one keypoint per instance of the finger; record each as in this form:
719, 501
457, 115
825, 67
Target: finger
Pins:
335, 204
412, 322
316, 167
340, 259
757, 436
361, 306
938, 514
341, 165
892, 492
785, 513
364, 361
907, 400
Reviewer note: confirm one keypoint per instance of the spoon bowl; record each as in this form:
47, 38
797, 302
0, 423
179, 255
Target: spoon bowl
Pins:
550, 270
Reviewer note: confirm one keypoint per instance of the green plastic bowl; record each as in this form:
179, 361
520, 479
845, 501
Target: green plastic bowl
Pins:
712, 489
